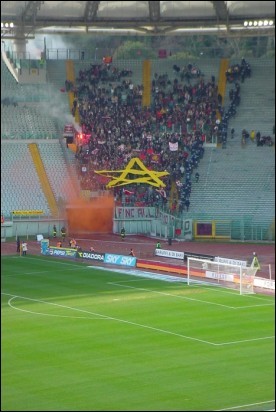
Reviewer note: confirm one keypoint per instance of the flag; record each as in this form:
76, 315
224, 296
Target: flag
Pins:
173, 146
162, 193
155, 158
127, 192
121, 147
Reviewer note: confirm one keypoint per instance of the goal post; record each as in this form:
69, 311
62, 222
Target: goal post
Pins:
208, 272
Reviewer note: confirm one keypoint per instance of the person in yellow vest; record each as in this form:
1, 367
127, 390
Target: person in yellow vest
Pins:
252, 136
54, 231
123, 233
63, 232
255, 261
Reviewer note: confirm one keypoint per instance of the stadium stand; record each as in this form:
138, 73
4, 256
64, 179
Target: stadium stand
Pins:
56, 169
232, 185
228, 173
20, 186
257, 107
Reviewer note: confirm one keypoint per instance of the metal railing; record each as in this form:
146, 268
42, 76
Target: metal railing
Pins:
232, 230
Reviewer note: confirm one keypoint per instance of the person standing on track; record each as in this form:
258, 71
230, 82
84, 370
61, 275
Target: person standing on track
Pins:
24, 248
54, 231
18, 244
123, 233
63, 232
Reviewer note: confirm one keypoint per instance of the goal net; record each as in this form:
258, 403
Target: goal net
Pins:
227, 275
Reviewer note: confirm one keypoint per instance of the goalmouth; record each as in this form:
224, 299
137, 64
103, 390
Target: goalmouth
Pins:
208, 272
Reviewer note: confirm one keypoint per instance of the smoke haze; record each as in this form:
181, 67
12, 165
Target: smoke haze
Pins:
91, 216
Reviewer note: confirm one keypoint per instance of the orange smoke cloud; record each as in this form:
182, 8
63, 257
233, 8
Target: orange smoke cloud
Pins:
93, 216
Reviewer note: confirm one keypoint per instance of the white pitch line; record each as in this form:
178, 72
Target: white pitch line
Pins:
171, 295
40, 272
48, 314
115, 319
244, 406
138, 324
245, 340
187, 298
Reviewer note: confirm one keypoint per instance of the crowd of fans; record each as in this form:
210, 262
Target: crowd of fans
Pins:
169, 135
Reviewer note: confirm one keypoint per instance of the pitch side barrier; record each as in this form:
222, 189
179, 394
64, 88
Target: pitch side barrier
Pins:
185, 255
131, 261
107, 258
173, 254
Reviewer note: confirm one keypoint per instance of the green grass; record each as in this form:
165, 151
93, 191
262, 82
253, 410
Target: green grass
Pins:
84, 339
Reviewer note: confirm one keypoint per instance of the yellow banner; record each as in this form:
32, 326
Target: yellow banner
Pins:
27, 212
134, 168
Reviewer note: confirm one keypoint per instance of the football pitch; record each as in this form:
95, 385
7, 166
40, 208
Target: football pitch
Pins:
81, 338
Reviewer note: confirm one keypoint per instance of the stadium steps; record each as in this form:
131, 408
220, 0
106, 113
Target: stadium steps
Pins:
46, 187
20, 186
232, 185
257, 107
27, 121
236, 182
57, 170
56, 76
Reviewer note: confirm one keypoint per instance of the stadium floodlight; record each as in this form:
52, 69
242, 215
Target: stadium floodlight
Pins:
211, 273
7, 24
258, 23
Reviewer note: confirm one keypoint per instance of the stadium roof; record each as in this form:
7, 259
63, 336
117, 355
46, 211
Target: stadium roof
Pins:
224, 18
